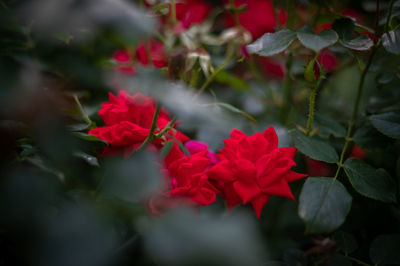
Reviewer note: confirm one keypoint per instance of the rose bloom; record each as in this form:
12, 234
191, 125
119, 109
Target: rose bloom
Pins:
253, 168
127, 123
186, 182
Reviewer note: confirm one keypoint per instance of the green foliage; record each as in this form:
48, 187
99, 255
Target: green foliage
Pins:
347, 242
313, 147
387, 123
316, 42
272, 43
324, 204
370, 182
391, 41
385, 250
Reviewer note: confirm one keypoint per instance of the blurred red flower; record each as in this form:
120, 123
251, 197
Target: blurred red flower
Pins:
190, 12
319, 168
127, 123
253, 169
259, 17
125, 61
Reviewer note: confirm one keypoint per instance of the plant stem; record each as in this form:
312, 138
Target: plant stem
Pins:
350, 127
363, 74
151, 135
358, 261
278, 22
82, 111
291, 14
310, 120
173, 12
389, 15
234, 13
287, 90
227, 60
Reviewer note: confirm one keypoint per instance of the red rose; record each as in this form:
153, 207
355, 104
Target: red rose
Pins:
194, 146
253, 169
127, 123
186, 182
258, 18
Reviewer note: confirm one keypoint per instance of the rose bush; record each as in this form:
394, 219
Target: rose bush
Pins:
286, 150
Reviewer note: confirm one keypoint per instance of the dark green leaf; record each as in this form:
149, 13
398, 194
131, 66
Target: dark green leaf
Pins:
294, 257
88, 137
317, 42
329, 127
370, 182
166, 149
347, 242
272, 43
236, 110
78, 127
314, 148
385, 77
369, 137
344, 27
384, 250
387, 123
391, 41
339, 260
360, 43
231, 80
324, 204
88, 158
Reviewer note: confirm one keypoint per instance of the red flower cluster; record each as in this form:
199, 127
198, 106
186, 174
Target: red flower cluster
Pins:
127, 123
126, 61
248, 169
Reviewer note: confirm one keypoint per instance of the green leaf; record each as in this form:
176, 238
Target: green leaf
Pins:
370, 182
344, 27
391, 41
314, 148
324, 204
166, 149
272, 43
384, 250
91, 160
231, 80
387, 123
329, 127
359, 43
347, 242
88, 137
236, 110
317, 42
385, 77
